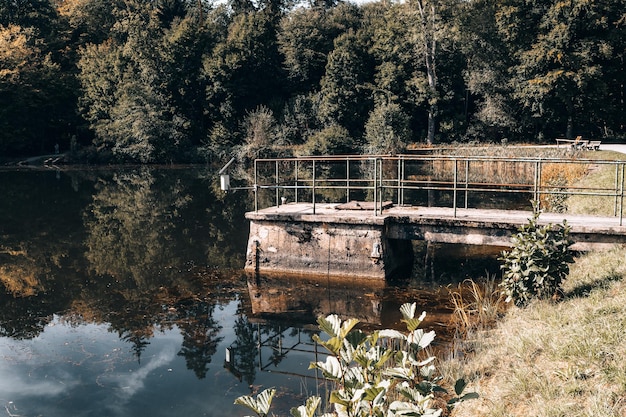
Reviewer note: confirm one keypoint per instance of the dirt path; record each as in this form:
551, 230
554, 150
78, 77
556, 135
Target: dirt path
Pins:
613, 147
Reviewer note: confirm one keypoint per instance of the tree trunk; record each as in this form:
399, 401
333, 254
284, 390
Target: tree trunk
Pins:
432, 124
429, 51
569, 132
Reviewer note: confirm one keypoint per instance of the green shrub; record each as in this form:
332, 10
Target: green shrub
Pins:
387, 130
332, 140
538, 262
383, 373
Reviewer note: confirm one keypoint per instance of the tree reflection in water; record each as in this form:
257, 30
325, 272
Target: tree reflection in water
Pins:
200, 336
151, 254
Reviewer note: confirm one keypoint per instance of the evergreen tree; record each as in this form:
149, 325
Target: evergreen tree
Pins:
344, 98
559, 50
387, 130
244, 70
490, 110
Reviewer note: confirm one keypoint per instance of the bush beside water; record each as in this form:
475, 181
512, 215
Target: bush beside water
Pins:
538, 262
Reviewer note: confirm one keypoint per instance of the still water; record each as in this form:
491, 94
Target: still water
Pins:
122, 294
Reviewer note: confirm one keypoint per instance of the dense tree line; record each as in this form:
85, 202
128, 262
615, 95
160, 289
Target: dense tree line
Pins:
185, 80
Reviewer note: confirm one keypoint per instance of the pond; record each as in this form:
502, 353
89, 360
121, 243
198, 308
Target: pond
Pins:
122, 294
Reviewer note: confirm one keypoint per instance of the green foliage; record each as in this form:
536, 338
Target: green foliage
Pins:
142, 89
244, 70
538, 262
305, 39
343, 100
260, 134
35, 99
387, 130
259, 404
383, 373
332, 140
156, 79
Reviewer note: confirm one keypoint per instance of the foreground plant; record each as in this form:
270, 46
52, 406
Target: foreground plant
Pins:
383, 373
538, 262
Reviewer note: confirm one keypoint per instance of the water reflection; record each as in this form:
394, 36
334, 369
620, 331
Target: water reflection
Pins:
306, 298
122, 294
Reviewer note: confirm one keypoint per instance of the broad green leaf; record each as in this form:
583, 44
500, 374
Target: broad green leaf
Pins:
459, 386
333, 345
308, 409
383, 358
392, 334
333, 325
261, 404
330, 324
371, 393
337, 398
470, 396
356, 337
408, 314
347, 327
331, 368
421, 338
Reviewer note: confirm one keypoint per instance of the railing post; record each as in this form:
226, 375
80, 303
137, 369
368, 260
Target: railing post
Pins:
256, 188
380, 184
313, 190
536, 182
616, 189
456, 177
466, 181
399, 181
375, 183
277, 185
347, 180
296, 178
402, 163
621, 204
381, 188
539, 186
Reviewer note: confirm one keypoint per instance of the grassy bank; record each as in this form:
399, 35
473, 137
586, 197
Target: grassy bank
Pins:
600, 176
556, 358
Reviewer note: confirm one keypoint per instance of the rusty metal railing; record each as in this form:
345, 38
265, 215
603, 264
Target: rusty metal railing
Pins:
433, 180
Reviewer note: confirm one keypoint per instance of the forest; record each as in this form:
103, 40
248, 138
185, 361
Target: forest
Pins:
165, 81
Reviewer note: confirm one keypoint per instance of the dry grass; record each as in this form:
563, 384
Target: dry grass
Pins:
602, 177
559, 177
517, 151
556, 359
477, 306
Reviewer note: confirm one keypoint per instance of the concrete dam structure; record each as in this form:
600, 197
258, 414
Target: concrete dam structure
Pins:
355, 216
291, 240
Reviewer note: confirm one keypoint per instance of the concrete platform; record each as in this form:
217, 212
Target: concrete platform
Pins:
296, 239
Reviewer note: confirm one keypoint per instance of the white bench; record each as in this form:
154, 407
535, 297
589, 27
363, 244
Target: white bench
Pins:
577, 143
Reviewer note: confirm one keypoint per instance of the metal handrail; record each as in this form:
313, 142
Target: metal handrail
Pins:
390, 174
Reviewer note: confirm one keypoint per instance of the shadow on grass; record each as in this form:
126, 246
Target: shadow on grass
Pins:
600, 283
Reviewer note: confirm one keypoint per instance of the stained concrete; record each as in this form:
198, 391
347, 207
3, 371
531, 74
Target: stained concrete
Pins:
302, 239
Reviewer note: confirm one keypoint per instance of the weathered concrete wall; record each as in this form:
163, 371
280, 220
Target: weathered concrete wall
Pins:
451, 230
297, 239
338, 250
